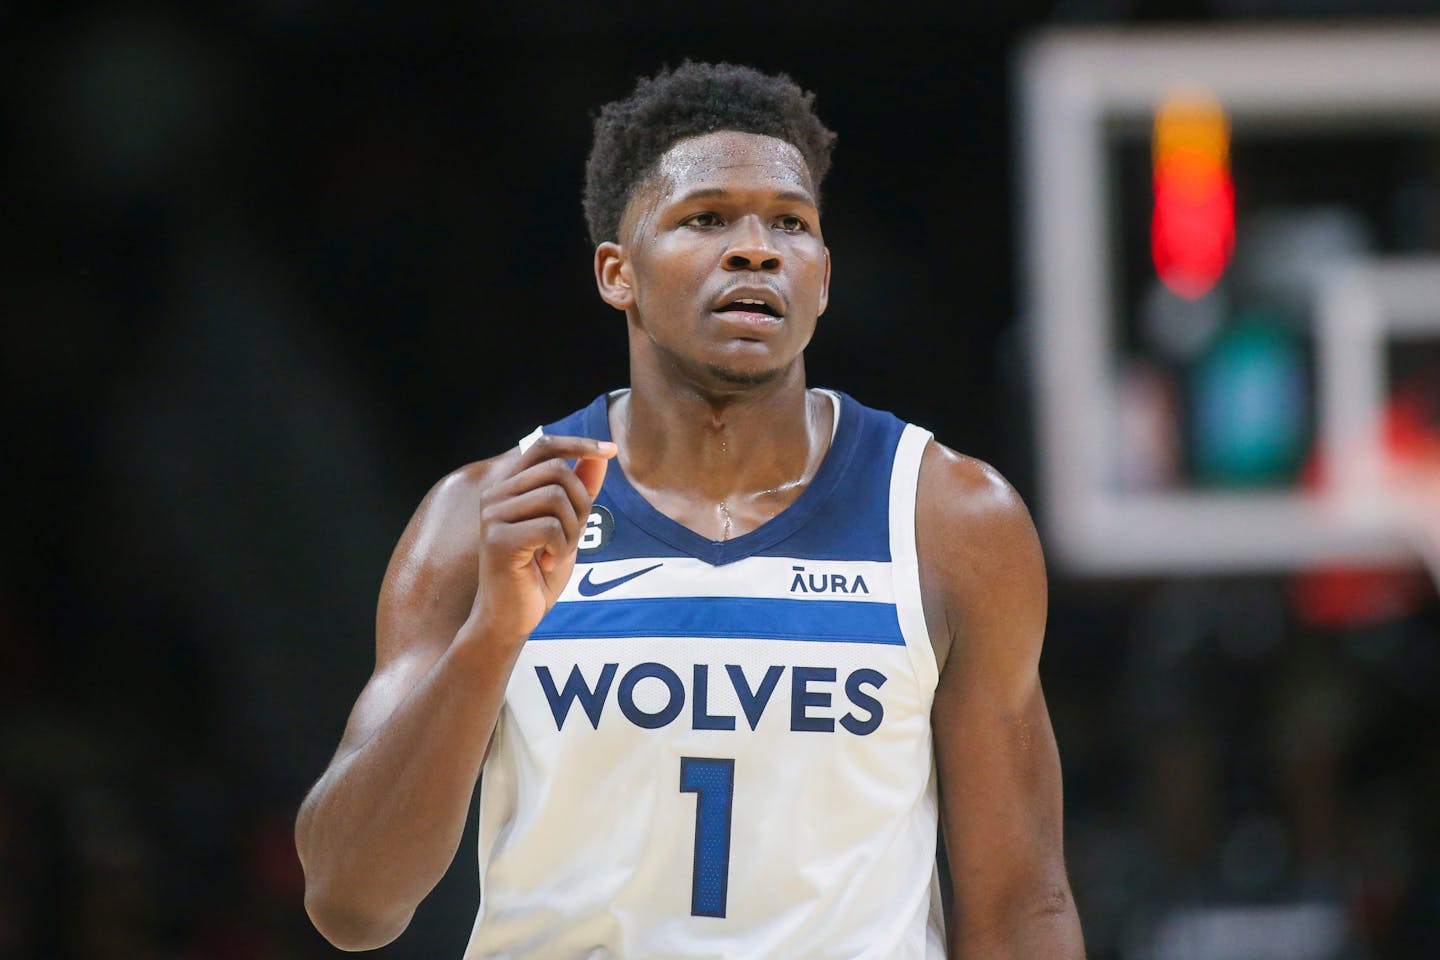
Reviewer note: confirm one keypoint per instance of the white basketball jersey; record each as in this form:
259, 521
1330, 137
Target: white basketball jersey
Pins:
723, 750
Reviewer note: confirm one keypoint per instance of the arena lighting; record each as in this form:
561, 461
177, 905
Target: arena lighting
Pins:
1192, 229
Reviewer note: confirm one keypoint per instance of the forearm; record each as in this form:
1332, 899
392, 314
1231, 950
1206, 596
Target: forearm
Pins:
1005, 840
1049, 928
381, 827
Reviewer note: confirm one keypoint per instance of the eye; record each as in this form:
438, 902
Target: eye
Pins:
791, 224
706, 219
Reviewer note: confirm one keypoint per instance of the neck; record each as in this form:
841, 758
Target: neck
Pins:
746, 453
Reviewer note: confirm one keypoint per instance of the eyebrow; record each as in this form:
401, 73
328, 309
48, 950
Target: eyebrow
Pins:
720, 193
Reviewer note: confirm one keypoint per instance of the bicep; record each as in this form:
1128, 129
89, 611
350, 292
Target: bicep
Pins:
996, 758
426, 595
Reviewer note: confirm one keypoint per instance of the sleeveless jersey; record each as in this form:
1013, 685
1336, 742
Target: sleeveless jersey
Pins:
722, 749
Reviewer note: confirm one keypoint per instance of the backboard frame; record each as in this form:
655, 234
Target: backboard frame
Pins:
1075, 83
1361, 308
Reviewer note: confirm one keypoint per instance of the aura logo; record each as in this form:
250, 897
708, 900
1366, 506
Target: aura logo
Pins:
806, 582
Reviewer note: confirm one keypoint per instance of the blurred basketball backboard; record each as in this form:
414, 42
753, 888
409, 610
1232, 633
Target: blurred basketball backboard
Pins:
1185, 432
1379, 447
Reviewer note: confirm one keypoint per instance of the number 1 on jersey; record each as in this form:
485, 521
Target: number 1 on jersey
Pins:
713, 783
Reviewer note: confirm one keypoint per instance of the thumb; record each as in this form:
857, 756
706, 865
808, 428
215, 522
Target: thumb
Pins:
591, 472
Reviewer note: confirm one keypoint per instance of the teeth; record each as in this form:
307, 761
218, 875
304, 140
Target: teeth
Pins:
759, 303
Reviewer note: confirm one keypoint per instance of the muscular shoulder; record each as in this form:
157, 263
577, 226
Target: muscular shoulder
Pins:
980, 559
433, 572
967, 500
448, 516
457, 494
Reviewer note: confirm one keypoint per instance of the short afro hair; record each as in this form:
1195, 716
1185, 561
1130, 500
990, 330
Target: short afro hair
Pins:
692, 100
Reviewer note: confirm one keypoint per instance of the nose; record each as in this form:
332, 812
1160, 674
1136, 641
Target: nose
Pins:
750, 247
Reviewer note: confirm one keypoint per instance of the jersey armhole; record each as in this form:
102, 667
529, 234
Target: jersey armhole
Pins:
904, 559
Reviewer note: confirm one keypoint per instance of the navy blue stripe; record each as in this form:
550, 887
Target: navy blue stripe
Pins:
842, 515
857, 498
738, 618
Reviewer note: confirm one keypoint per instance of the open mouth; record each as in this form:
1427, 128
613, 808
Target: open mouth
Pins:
747, 305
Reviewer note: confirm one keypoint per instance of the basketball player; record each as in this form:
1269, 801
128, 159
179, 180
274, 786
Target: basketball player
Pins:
724, 648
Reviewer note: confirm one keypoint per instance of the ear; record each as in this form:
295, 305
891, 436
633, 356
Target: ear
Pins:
825, 285
613, 276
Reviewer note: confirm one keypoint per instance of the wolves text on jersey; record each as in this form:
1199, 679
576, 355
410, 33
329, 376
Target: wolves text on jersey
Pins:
810, 690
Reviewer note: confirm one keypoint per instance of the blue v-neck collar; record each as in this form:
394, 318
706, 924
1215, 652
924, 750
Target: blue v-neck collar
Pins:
625, 498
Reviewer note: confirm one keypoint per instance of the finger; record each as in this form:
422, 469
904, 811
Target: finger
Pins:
532, 540
549, 473
591, 471
550, 446
552, 500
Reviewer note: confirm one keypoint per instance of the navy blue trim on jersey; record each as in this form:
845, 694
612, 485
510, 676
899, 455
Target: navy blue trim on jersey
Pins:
737, 618
842, 514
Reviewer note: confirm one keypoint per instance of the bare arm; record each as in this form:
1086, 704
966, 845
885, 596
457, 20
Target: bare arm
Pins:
999, 769
483, 559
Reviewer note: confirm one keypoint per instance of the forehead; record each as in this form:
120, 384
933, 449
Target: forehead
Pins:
731, 160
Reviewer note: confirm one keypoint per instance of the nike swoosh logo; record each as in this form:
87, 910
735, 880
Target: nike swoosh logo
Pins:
589, 588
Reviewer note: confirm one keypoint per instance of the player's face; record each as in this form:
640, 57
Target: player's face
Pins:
726, 268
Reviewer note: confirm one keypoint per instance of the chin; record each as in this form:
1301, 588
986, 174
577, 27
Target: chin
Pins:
731, 375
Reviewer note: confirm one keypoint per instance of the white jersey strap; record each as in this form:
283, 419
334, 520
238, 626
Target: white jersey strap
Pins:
904, 484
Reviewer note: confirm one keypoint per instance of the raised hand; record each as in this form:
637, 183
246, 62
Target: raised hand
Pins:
530, 527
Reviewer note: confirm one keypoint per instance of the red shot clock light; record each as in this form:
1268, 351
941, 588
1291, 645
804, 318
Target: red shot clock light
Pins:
1192, 229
